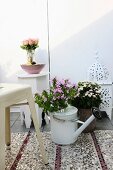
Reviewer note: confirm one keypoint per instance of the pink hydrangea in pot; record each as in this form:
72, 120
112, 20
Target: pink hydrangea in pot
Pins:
58, 97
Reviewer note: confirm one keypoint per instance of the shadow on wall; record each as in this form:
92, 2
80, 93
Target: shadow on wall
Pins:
8, 72
41, 56
9, 64
72, 58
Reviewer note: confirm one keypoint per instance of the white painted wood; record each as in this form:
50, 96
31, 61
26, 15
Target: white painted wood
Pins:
98, 73
11, 94
38, 83
2, 137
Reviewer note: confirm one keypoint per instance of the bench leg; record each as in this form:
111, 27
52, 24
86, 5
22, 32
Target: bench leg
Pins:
2, 138
36, 125
7, 127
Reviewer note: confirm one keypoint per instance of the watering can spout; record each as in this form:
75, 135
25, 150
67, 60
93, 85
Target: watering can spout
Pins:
83, 126
95, 113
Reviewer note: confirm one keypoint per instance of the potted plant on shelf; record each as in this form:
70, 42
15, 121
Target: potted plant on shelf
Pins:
88, 96
31, 66
56, 102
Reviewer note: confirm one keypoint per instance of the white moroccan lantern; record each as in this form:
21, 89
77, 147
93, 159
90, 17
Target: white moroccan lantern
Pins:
98, 73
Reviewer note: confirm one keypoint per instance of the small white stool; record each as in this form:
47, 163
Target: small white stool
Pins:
38, 83
11, 94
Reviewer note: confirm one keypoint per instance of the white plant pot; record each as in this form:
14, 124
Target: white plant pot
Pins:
63, 126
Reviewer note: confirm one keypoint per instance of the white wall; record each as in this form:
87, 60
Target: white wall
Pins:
77, 30
19, 20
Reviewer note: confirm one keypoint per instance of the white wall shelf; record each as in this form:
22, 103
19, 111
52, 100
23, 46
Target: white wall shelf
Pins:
38, 82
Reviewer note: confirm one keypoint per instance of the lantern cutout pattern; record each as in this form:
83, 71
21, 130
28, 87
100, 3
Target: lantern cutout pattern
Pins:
98, 73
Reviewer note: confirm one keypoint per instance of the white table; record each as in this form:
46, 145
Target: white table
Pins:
11, 94
38, 82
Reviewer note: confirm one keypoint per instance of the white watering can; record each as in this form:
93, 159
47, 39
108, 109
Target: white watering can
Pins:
64, 126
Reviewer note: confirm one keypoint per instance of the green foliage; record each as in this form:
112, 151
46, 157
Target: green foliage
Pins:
58, 97
29, 47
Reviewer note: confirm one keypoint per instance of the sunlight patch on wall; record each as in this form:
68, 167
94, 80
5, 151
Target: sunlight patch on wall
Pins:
22, 20
68, 17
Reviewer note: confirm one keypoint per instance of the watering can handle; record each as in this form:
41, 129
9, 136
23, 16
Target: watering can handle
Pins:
96, 112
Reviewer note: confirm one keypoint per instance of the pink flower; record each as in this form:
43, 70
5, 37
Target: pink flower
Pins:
36, 41
57, 90
62, 97
74, 85
25, 42
31, 42
62, 81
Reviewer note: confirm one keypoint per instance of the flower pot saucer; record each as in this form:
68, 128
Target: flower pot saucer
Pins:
32, 69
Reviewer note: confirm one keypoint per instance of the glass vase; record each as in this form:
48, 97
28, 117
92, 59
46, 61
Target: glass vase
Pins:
30, 55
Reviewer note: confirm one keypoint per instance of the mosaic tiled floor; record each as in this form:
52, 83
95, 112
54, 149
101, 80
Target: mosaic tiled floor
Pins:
90, 152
